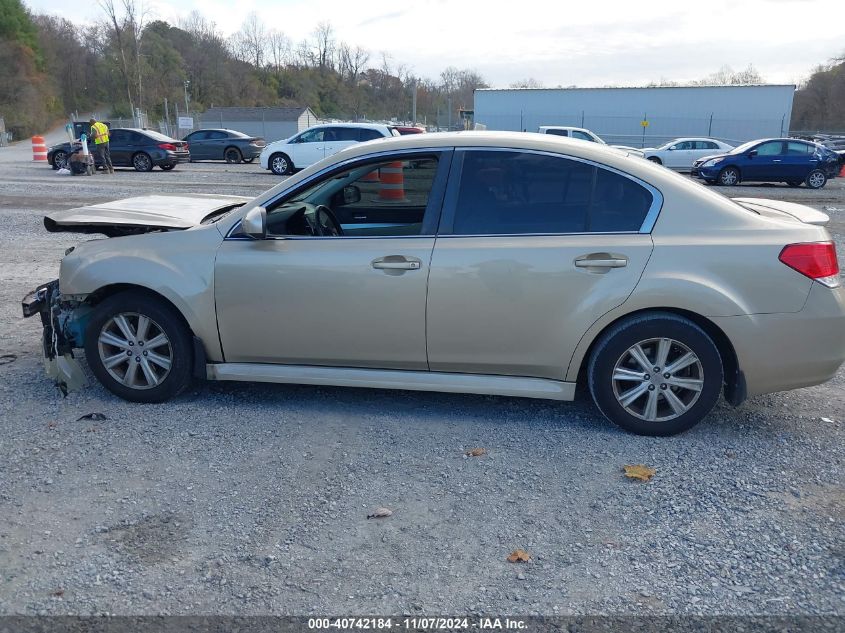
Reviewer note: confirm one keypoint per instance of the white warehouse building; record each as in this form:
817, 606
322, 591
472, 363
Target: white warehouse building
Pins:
643, 117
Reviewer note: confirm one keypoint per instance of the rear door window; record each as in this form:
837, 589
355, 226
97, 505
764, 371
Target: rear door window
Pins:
366, 134
505, 192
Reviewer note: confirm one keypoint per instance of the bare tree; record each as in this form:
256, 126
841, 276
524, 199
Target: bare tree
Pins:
325, 44
251, 40
351, 62
118, 27
530, 82
279, 46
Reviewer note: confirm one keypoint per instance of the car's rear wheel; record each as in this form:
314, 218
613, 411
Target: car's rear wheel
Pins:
816, 179
280, 164
655, 159
139, 348
142, 162
60, 160
729, 176
655, 374
233, 155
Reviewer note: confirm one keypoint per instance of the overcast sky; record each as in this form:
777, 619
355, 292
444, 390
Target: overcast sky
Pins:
586, 43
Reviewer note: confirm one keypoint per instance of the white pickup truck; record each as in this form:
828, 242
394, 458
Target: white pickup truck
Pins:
585, 135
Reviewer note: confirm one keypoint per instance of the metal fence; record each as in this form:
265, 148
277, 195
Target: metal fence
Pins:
642, 130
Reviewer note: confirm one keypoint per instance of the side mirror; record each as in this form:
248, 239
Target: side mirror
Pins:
752, 153
254, 223
673, 148
351, 194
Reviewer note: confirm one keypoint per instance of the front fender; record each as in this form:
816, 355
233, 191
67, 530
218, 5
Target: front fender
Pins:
178, 265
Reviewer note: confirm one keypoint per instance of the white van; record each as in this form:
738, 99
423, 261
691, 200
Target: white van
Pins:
317, 142
584, 135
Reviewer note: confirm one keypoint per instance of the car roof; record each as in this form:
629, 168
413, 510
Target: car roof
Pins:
366, 126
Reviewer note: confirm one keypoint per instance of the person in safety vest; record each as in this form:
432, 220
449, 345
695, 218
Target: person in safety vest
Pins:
100, 134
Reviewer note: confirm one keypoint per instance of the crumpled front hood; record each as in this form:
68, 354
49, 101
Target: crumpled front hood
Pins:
129, 216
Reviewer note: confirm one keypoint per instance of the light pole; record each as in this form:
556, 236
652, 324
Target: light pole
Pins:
187, 109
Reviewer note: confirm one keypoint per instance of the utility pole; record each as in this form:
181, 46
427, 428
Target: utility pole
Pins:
414, 103
166, 116
187, 108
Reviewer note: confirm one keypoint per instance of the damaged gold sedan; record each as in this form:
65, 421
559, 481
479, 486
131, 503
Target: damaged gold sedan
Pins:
488, 263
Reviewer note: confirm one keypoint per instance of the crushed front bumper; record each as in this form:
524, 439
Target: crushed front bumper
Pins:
60, 334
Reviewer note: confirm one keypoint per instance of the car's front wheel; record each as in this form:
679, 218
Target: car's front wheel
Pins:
655, 374
729, 176
138, 348
816, 179
655, 159
280, 164
142, 162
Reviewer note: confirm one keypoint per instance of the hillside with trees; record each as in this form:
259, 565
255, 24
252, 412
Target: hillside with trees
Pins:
126, 60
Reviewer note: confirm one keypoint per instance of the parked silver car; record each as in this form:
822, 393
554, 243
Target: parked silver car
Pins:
490, 263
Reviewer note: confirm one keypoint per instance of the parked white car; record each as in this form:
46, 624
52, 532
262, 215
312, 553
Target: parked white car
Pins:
584, 135
681, 153
318, 141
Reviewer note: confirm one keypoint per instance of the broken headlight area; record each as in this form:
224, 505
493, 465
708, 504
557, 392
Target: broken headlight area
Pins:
63, 320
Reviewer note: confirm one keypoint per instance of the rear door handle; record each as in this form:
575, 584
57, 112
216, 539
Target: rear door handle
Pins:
396, 262
605, 262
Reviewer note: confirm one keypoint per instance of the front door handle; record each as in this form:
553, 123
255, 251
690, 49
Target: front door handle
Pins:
601, 260
396, 262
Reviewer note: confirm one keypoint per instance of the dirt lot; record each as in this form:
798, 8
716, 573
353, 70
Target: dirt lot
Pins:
252, 499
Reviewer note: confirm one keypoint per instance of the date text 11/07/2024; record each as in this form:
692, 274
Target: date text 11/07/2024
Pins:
417, 623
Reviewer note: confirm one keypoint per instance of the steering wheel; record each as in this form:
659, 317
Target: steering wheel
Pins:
326, 222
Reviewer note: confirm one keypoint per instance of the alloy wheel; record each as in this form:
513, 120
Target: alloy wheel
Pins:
658, 379
729, 177
142, 162
280, 165
135, 350
816, 179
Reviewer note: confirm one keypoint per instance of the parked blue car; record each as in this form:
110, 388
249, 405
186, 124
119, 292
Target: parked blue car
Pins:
786, 160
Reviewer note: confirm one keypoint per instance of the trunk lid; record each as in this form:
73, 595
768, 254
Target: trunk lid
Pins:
161, 212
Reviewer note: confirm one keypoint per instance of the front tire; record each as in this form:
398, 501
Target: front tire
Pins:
816, 179
280, 165
655, 159
656, 374
729, 176
139, 348
142, 162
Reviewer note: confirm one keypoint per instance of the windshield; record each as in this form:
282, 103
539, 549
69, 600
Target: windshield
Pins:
744, 147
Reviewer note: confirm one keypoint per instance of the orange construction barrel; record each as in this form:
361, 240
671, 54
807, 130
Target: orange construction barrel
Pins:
39, 149
392, 182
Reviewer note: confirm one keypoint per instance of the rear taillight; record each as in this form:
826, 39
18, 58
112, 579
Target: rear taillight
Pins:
816, 260
170, 147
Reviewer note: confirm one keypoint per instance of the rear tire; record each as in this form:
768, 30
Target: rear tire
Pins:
639, 399
139, 348
233, 155
729, 176
60, 160
816, 179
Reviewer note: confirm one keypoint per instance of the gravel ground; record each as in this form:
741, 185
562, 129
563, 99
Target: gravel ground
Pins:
253, 499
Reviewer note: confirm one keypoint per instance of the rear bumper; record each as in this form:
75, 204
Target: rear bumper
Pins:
250, 151
779, 352
171, 158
